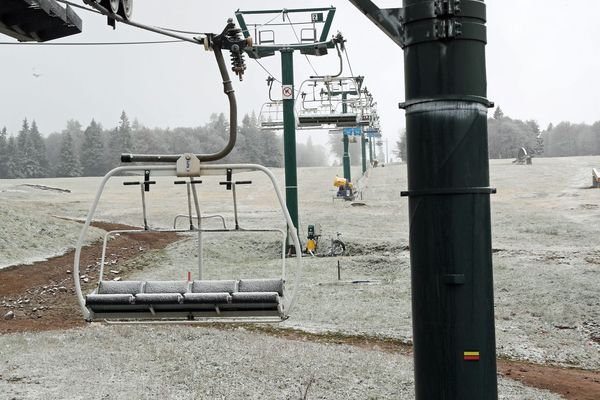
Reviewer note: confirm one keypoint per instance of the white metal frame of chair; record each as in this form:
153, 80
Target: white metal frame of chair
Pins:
288, 299
215, 216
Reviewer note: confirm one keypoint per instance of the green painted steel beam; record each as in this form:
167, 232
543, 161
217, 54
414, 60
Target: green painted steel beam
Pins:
346, 141
327, 25
289, 137
286, 10
363, 150
287, 72
371, 145
454, 345
388, 20
346, 159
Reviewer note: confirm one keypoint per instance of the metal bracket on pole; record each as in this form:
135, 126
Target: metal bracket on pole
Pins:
389, 20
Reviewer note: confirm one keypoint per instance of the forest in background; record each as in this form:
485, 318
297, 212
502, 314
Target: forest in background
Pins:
506, 136
93, 151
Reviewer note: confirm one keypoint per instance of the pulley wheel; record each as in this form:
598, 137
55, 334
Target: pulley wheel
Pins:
110, 5
114, 6
126, 8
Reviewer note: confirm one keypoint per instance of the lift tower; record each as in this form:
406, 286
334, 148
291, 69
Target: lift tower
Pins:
265, 45
449, 194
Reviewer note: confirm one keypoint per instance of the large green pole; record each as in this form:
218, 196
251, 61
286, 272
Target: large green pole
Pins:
345, 139
289, 135
449, 200
371, 148
363, 149
347, 174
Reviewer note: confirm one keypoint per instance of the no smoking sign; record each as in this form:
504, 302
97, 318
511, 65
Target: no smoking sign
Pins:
287, 92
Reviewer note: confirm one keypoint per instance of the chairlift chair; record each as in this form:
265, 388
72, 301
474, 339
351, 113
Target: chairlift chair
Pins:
327, 107
233, 300
271, 115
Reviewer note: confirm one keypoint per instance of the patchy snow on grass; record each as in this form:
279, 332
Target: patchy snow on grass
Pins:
546, 278
124, 362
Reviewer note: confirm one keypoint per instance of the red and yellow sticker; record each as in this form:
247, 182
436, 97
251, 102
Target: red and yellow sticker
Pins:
471, 356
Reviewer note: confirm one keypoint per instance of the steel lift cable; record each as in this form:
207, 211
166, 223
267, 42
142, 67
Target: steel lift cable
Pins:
299, 41
92, 43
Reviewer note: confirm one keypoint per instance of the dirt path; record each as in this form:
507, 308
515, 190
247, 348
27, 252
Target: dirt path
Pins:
42, 297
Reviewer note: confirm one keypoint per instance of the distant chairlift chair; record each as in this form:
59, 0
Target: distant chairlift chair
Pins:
325, 107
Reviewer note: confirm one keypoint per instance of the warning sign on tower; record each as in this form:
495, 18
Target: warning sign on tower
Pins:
287, 92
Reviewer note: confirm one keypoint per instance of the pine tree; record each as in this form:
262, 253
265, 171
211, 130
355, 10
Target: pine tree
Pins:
120, 141
498, 114
92, 151
3, 153
39, 151
400, 147
113, 149
68, 165
12, 167
125, 133
20, 157
23, 133
27, 163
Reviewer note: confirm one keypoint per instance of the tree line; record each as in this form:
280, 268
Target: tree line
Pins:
506, 136
93, 150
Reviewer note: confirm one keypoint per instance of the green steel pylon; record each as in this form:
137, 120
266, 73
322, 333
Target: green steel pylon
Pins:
288, 91
449, 193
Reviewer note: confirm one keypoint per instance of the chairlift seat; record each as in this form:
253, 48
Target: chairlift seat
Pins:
261, 285
217, 286
120, 287
157, 287
347, 119
158, 298
99, 299
162, 292
207, 298
271, 298
182, 299
272, 124
117, 293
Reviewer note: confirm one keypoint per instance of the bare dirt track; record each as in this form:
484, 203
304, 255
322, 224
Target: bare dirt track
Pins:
42, 297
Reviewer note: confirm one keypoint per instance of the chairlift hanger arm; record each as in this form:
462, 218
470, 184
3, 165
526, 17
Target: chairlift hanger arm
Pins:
229, 39
339, 41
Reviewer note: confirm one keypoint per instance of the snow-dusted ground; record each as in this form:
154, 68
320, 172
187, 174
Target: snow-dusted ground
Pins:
546, 271
29, 230
119, 362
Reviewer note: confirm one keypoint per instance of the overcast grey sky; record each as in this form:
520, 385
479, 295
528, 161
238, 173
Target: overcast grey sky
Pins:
542, 56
